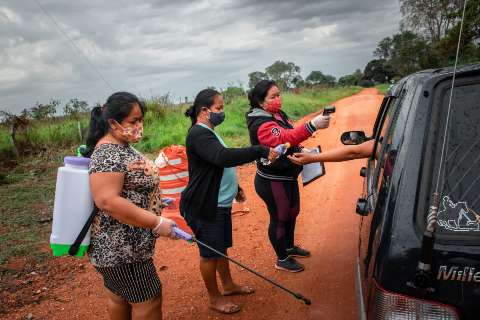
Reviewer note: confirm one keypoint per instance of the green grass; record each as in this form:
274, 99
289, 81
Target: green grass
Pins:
25, 201
171, 127
27, 189
45, 135
383, 88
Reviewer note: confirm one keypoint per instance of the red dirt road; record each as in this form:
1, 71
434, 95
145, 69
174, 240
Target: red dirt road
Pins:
327, 226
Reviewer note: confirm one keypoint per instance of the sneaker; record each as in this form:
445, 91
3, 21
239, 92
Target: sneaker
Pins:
289, 264
298, 252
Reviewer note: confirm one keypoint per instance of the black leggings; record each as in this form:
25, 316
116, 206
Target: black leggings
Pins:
283, 203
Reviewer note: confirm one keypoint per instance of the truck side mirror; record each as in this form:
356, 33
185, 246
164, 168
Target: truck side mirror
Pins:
353, 137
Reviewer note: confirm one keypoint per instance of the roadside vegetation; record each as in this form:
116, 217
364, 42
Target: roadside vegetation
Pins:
27, 181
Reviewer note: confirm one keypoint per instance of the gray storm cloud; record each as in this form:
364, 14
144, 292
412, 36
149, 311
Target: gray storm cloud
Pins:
155, 47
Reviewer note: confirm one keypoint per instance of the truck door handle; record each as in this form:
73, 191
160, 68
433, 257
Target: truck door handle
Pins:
362, 207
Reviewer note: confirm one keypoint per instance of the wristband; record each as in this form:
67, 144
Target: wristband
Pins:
156, 230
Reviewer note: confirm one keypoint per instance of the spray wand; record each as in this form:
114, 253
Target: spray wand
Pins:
188, 237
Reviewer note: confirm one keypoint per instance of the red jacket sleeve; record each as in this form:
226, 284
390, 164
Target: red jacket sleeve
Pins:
271, 134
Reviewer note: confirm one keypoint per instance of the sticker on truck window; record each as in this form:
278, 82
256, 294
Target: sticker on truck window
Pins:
457, 216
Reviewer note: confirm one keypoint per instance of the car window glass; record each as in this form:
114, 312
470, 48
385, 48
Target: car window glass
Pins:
384, 140
459, 209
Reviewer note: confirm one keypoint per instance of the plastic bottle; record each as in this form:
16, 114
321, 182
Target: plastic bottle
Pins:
72, 207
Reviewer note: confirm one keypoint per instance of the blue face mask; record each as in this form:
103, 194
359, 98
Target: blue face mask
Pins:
216, 118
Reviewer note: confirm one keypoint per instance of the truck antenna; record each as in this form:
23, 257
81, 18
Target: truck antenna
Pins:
423, 278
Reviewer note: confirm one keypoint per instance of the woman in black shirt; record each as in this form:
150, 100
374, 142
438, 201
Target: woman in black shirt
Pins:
206, 202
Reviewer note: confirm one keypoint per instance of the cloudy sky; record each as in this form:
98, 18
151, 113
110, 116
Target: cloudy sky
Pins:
153, 47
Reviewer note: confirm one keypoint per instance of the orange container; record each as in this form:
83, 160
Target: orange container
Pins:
172, 165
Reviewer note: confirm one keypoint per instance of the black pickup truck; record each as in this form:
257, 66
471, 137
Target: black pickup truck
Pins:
400, 178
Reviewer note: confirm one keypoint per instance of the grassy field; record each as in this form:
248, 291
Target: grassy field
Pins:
383, 88
27, 186
171, 127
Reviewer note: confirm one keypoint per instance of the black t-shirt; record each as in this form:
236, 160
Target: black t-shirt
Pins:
206, 159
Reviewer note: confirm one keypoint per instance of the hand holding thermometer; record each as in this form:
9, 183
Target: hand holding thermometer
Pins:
328, 110
281, 149
188, 237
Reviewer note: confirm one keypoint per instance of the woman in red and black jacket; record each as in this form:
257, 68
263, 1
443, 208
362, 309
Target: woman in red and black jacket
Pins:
276, 183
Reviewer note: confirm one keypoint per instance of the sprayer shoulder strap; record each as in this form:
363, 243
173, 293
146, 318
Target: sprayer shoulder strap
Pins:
76, 244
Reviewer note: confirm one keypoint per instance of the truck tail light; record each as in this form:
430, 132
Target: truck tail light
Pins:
387, 305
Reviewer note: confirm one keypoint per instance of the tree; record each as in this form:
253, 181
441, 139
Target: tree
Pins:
43, 111
384, 49
284, 74
317, 77
378, 70
433, 18
232, 92
411, 53
25, 113
75, 107
298, 81
428, 38
351, 79
469, 45
255, 77
15, 123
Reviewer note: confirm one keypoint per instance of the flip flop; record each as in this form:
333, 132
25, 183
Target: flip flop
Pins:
242, 290
226, 309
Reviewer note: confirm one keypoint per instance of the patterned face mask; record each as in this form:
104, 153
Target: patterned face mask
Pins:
132, 134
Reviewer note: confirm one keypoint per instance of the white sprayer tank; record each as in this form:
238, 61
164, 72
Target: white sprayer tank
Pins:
73, 206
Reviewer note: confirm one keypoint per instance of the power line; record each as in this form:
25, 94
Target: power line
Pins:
79, 51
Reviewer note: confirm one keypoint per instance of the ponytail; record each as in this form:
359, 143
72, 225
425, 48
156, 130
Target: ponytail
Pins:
118, 107
204, 99
190, 113
98, 128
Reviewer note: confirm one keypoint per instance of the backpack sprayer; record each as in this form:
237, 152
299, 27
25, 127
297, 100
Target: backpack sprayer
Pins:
188, 237
73, 209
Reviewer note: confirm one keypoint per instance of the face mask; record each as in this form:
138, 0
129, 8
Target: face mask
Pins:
216, 118
274, 106
132, 134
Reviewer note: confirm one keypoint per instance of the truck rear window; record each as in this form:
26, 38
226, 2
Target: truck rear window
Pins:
459, 210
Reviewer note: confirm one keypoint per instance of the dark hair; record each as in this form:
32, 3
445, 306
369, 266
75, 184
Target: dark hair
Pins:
118, 107
257, 95
204, 98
